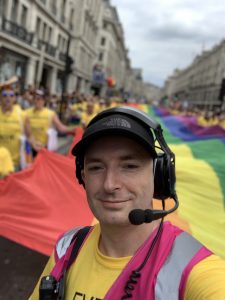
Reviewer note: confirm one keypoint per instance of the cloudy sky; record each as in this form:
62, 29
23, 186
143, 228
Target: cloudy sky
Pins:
162, 35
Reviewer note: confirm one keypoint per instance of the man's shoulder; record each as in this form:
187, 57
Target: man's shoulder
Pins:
206, 279
64, 241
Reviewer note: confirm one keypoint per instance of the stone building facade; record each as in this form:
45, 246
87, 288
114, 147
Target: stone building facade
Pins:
112, 53
37, 36
152, 93
56, 44
202, 83
84, 50
33, 41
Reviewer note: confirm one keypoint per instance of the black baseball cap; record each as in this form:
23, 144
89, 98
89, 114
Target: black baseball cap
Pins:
116, 124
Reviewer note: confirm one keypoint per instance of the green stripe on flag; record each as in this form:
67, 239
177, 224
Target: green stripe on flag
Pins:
200, 169
211, 151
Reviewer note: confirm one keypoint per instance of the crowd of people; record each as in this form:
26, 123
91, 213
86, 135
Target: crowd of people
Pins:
131, 252
27, 125
204, 117
32, 119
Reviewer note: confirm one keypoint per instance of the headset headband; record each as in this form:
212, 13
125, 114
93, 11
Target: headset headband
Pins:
141, 116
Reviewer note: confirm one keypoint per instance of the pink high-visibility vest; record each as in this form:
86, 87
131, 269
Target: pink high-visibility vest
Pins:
166, 272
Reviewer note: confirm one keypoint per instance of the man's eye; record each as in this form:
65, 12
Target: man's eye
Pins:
131, 166
94, 168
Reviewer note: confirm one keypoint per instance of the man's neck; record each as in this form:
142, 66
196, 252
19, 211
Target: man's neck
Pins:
124, 241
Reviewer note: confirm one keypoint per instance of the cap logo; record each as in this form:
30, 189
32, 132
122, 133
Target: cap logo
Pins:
117, 122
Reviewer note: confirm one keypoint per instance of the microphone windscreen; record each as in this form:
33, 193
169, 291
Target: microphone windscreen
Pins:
137, 216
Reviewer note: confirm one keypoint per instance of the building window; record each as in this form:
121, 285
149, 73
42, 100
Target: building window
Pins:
63, 45
100, 57
24, 16
44, 35
103, 41
14, 10
63, 11
104, 25
59, 41
49, 35
53, 7
2, 6
38, 27
71, 18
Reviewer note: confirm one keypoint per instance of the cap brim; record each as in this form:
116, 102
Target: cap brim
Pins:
82, 145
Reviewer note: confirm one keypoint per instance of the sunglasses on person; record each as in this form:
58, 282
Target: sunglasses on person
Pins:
8, 94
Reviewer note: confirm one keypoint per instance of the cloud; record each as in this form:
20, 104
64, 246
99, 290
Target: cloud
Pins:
163, 35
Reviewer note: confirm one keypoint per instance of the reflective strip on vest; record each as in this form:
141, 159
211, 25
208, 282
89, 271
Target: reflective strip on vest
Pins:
65, 241
168, 279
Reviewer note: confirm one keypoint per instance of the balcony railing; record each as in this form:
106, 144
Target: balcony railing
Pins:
62, 56
17, 31
49, 49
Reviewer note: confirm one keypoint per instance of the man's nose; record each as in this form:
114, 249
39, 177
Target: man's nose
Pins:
112, 180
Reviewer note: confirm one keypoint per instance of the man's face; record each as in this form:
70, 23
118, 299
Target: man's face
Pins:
39, 101
118, 177
7, 99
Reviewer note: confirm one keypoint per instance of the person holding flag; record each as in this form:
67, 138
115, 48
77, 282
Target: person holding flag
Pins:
14, 127
43, 122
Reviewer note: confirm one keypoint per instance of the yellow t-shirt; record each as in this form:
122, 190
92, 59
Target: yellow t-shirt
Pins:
18, 108
99, 108
6, 163
93, 274
77, 109
40, 122
86, 118
202, 121
11, 129
207, 280
222, 124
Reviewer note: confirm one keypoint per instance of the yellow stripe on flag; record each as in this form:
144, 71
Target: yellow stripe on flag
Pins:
201, 199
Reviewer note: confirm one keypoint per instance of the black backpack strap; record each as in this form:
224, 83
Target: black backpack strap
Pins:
79, 237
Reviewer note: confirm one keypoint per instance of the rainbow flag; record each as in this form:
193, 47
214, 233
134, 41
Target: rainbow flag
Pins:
42, 201
200, 169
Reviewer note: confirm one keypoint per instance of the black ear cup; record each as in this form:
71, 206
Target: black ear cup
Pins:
164, 178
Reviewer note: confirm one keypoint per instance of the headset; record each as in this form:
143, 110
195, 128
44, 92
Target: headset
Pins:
164, 179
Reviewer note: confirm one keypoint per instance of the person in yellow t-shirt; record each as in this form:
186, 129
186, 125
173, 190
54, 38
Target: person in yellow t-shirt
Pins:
221, 120
88, 114
100, 105
77, 109
13, 124
41, 120
132, 252
207, 119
